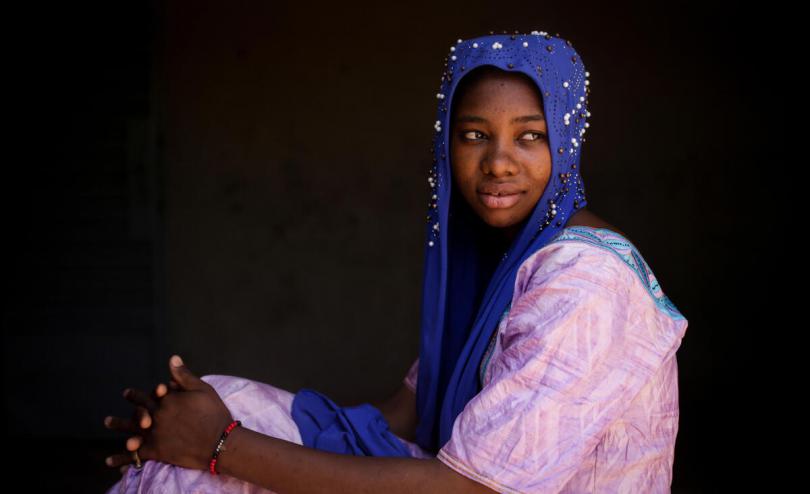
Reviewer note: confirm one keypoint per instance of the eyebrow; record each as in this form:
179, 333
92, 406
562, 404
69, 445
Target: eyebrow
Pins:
525, 118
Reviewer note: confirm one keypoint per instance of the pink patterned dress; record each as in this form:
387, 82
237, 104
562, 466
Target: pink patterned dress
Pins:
580, 385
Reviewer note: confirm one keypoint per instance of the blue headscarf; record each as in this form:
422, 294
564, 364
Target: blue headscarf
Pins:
464, 290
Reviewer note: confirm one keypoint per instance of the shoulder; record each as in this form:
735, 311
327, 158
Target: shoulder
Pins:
602, 257
590, 287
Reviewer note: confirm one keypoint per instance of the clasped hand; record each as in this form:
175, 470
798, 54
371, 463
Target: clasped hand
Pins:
180, 427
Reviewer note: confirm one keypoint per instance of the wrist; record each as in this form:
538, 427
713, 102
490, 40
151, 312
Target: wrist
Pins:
224, 445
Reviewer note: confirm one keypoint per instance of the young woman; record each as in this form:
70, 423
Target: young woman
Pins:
547, 347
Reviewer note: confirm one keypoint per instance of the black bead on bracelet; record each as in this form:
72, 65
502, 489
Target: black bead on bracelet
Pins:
213, 465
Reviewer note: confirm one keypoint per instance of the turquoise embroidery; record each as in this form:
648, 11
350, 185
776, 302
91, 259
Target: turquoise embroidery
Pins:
613, 242
627, 252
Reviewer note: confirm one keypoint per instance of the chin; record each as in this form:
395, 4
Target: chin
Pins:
498, 220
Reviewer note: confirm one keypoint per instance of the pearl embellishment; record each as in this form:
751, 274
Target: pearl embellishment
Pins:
578, 111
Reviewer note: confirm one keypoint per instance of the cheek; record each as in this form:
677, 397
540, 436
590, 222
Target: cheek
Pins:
463, 172
540, 179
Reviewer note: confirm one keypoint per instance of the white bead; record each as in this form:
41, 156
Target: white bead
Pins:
582, 98
430, 243
525, 44
459, 41
588, 113
587, 73
587, 83
475, 45
435, 196
453, 57
452, 48
565, 84
567, 116
579, 105
587, 124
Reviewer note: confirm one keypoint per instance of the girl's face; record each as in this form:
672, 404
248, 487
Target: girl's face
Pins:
499, 148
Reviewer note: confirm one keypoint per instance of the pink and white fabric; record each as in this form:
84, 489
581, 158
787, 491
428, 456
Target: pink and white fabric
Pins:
580, 385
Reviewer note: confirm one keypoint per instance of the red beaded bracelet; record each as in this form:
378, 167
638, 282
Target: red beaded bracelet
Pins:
213, 465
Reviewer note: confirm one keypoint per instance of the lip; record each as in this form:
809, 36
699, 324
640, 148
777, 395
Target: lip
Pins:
501, 201
499, 189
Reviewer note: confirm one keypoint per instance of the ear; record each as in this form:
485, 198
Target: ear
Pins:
182, 374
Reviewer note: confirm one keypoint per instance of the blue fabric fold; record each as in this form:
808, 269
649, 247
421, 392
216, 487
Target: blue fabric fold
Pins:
359, 430
467, 284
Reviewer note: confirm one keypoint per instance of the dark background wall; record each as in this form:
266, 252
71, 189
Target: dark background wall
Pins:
244, 184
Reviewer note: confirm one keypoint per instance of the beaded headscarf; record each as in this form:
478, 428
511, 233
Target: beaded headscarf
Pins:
461, 301
463, 292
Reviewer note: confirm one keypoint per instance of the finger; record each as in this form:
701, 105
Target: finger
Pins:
123, 460
118, 460
120, 424
182, 374
134, 442
161, 390
144, 418
138, 397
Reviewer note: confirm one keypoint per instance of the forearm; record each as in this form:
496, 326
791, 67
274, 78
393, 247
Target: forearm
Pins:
290, 468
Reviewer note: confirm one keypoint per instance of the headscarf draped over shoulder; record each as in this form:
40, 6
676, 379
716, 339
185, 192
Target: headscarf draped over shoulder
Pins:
464, 291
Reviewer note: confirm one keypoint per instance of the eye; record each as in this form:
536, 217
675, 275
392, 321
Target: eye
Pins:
540, 136
467, 133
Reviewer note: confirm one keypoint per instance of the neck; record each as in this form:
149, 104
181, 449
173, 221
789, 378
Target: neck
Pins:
510, 232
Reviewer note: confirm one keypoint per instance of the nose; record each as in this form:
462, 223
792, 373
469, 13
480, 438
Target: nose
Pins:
498, 161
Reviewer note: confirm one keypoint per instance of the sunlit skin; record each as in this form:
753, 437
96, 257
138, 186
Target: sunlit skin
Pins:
499, 138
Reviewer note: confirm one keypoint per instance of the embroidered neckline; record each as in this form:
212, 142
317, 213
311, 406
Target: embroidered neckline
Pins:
621, 246
609, 240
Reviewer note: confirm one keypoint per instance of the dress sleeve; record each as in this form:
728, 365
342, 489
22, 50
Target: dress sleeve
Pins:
410, 377
580, 343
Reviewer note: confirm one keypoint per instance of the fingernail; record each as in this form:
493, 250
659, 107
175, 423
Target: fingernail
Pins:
177, 361
126, 392
108, 461
107, 421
